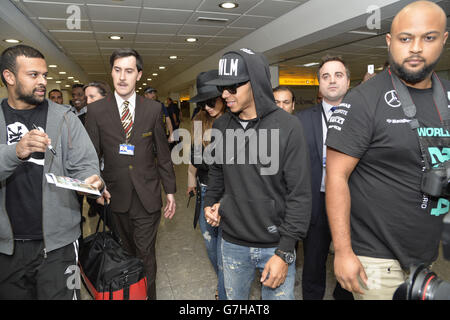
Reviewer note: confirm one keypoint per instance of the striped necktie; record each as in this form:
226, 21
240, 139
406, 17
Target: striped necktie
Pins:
127, 119
327, 119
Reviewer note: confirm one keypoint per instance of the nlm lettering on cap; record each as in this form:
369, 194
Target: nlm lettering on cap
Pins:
228, 67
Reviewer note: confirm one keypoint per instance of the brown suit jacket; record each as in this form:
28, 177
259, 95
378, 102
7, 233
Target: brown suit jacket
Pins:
123, 174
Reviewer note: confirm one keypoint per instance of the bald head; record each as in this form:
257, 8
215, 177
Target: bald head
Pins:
416, 41
423, 12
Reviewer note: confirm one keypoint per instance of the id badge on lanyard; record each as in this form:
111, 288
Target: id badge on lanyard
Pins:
126, 149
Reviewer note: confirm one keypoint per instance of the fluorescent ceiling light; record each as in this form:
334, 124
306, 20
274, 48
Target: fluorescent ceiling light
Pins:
368, 33
154, 74
12, 41
173, 57
53, 66
209, 19
310, 64
191, 39
116, 37
162, 67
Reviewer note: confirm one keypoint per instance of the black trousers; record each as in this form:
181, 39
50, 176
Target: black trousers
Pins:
315, 248
29, 275
137, 230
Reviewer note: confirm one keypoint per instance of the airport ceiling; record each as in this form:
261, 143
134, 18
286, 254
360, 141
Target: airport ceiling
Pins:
158, 29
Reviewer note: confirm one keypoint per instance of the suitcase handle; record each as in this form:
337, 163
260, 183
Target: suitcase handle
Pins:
105, 210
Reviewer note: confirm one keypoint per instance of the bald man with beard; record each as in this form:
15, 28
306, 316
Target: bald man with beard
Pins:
381, 222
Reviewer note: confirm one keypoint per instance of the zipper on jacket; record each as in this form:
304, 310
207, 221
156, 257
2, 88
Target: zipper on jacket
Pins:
52, 156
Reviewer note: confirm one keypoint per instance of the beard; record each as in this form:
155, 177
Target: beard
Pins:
412, 77
29, 98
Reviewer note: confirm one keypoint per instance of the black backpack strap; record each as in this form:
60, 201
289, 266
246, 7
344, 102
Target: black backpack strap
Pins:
408, 106
441, 100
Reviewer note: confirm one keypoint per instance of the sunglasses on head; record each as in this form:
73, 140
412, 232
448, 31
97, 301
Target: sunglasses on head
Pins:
232, 88
210, 103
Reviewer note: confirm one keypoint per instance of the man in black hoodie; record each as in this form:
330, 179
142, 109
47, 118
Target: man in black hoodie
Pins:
265, 201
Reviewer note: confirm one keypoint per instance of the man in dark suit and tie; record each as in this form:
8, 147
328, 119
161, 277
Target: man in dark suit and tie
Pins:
334, 81
127, 130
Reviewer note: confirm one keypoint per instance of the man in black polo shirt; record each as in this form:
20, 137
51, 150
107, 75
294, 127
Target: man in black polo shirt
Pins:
381, 222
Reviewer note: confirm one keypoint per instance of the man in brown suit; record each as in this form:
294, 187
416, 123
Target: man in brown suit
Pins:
127, 130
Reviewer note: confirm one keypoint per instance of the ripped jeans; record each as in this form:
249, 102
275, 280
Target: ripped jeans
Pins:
212, 237
239, 265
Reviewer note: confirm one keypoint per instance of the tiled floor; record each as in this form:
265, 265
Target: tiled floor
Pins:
184, 271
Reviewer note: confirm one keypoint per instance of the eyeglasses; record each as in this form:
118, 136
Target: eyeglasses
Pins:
231, 88
210, 103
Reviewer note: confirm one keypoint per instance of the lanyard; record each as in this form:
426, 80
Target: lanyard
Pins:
409, 108
327, 120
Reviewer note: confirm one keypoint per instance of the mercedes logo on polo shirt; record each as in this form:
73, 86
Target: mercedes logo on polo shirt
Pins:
391, 99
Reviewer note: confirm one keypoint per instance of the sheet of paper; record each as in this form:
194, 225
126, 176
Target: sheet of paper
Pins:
70, 183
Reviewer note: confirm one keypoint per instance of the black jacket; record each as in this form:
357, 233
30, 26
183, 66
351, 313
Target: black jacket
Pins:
311, 120
262, 210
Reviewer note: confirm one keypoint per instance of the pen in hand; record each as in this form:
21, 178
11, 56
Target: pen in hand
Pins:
50, 147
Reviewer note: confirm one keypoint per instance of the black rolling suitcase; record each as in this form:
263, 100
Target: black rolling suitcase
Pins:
108, 271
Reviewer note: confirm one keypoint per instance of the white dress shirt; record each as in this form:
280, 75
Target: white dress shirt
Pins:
131, 106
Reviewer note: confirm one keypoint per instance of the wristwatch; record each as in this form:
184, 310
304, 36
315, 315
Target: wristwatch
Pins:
287, 257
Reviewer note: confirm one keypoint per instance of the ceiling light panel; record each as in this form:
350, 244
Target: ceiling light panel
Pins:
61, 23
173, 4
47, 9
113, 13
72, 35
159, 28
113, 27
228, 5
165, 16
212, 20
251, 21
244, 6
272, 8
200, 30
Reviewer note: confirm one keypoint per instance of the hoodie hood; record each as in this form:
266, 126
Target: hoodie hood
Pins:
245, 64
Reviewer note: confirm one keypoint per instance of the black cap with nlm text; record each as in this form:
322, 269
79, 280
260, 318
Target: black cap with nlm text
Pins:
232, 69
